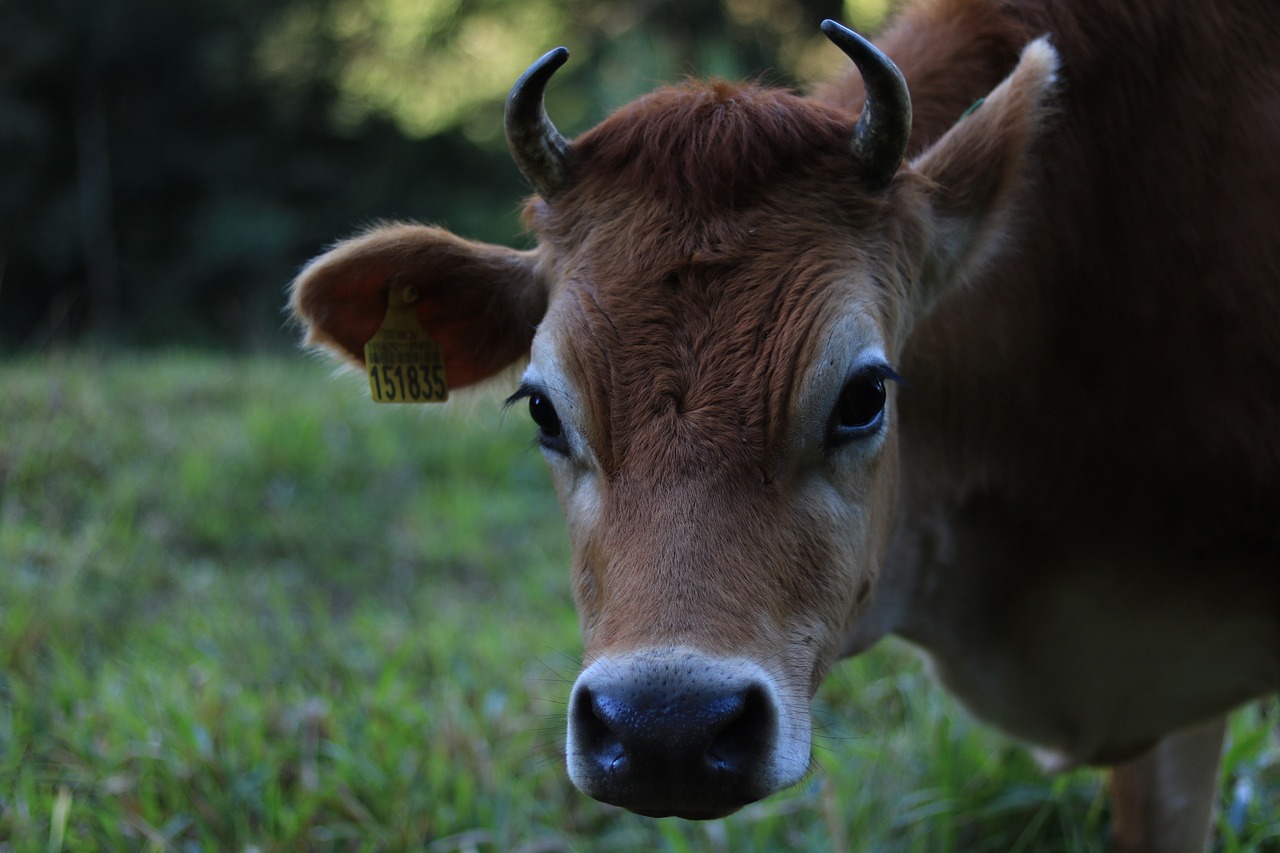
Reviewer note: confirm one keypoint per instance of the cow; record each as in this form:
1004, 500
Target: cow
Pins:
977, 344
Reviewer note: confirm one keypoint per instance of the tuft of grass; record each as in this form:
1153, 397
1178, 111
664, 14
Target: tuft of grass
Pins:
241, 607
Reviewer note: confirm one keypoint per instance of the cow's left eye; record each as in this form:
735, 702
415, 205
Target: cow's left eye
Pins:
860, 410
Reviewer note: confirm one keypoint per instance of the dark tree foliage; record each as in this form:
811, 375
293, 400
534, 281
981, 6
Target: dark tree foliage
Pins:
156, 187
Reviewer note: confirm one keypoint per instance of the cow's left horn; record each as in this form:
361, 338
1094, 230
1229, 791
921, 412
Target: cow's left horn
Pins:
880, 137
538, 148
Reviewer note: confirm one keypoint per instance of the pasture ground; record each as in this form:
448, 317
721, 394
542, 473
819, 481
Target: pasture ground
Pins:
243, 608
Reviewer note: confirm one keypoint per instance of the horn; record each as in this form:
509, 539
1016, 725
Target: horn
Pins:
880, 137
537, 147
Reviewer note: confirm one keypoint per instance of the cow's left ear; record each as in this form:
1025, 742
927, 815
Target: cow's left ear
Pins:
975, 171
481, 303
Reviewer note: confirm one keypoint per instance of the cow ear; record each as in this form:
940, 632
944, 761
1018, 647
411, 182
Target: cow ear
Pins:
480, 302
975, 171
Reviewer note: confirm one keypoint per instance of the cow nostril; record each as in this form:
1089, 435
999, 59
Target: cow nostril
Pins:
595, 731
745, 736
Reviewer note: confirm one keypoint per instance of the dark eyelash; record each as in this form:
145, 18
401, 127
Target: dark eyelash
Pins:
884, 371
524, 392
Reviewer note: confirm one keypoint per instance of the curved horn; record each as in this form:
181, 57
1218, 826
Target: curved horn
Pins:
537, 147
880, 137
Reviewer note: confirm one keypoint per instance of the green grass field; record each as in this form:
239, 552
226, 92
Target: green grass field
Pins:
242, 608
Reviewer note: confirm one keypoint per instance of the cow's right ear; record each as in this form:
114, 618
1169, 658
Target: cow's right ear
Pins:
480, 302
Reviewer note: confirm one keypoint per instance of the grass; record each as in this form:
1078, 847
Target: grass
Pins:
241, 608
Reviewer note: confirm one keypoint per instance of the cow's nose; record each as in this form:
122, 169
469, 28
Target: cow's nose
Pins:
678, 736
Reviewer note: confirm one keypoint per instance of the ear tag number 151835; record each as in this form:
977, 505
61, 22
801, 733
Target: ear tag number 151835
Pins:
404, 364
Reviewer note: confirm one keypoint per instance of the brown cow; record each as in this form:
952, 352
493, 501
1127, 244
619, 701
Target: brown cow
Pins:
1016, 398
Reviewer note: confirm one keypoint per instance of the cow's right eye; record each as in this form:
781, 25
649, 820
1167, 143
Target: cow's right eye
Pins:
550, 431
544, 415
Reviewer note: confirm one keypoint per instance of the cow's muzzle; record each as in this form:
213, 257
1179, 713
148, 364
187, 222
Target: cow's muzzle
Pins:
675, 732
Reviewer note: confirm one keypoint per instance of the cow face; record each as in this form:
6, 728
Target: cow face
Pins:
724, 280
728, 502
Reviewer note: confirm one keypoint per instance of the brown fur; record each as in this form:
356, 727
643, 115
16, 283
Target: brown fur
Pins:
1137, 322
709, 149
481, 329
1080, 283
719, 291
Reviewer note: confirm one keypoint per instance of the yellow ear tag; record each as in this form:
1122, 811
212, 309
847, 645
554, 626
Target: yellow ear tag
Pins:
404, 364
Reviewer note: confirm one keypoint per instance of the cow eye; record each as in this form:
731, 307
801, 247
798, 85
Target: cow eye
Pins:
550, 430
860, 410
544, 415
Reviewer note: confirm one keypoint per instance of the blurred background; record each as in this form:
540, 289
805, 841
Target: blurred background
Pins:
166, 167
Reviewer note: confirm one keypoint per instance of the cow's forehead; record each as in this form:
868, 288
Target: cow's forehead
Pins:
708, 148
707, 239
699, 362
697, 161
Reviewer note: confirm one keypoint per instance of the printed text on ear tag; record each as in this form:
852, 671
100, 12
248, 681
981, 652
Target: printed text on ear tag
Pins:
403, 363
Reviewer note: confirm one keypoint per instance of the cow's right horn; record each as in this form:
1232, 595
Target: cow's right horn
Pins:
537, 147
880, 137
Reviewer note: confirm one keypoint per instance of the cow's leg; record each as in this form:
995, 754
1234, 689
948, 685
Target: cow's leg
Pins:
1163, 802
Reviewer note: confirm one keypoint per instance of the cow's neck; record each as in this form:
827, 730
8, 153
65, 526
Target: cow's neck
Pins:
1048, 642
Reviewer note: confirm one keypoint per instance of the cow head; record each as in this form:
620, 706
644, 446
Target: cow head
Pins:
723, 281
